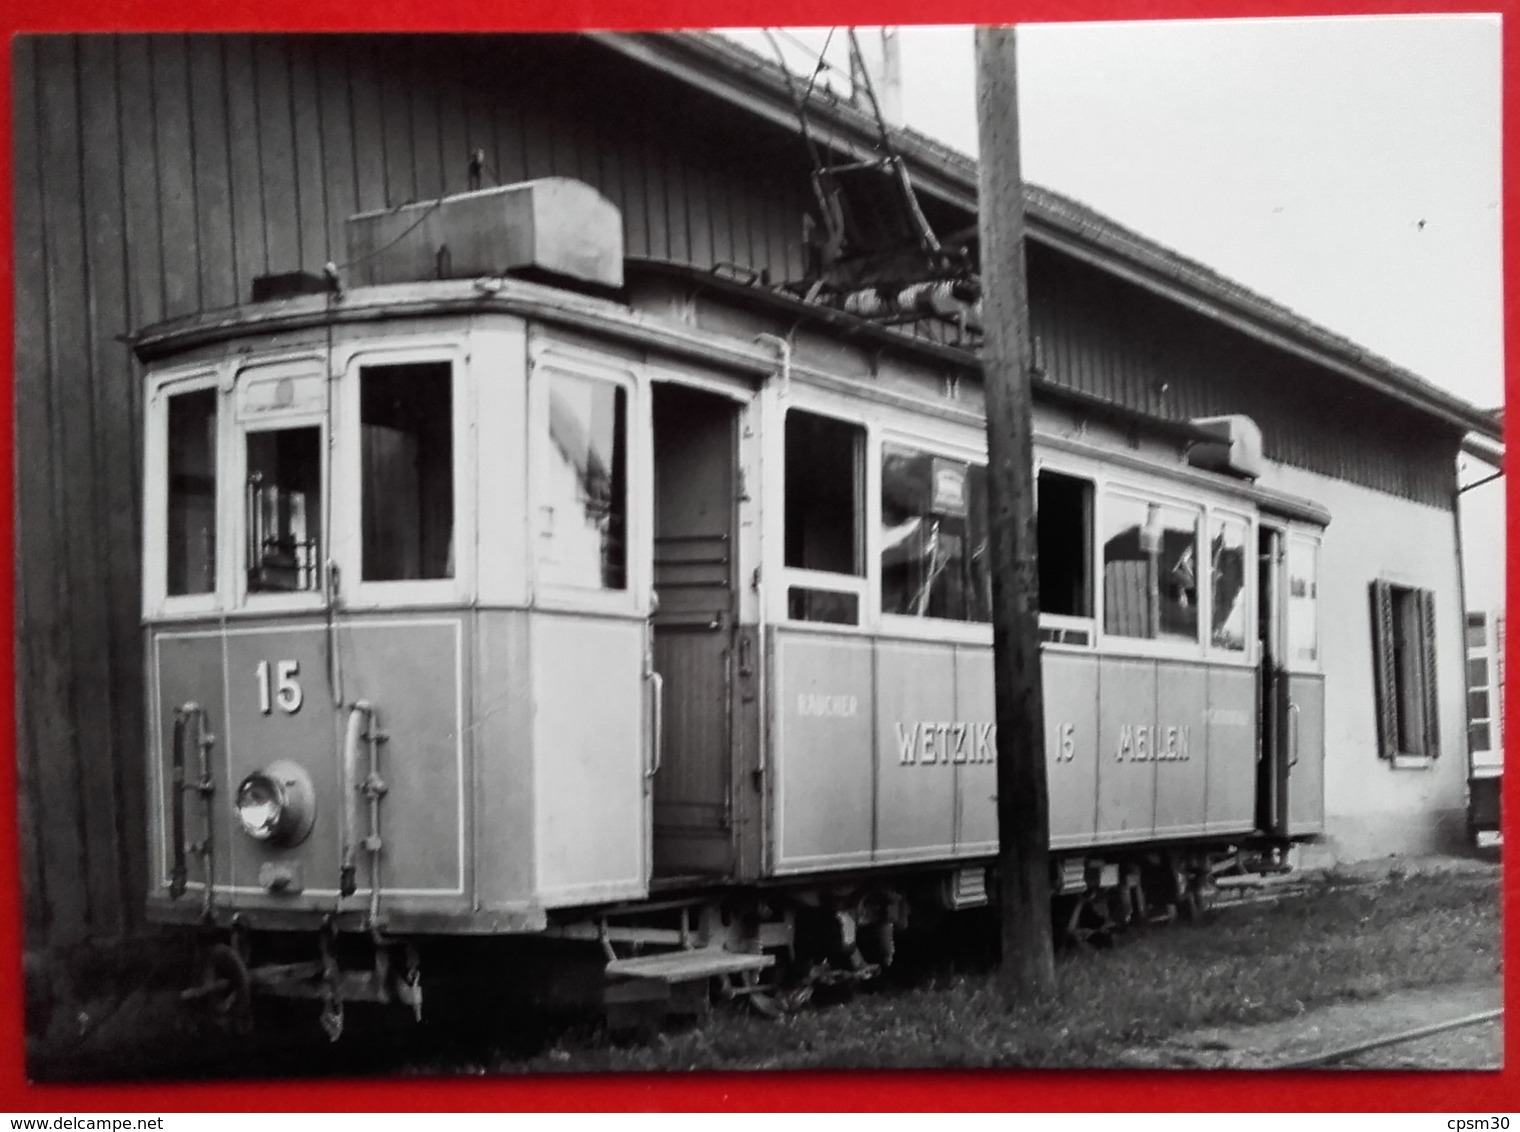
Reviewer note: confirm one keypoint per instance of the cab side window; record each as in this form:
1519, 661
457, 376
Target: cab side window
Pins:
406, 420
191, 560
583, 540
284, 509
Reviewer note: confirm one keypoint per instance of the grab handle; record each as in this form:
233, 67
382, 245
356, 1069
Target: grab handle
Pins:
353, 740
1293, 724
657, 714
178, 873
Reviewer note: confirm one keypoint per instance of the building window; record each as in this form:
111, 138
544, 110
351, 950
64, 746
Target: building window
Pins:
192, 493
1485, 693
584, 503
284, 508
1404, 651
933, 536
1150, 583
1229, 615
406, 418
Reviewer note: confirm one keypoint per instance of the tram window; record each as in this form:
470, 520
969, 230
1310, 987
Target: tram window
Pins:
1064, 530
1150, 586
192, 493
583, 542
1303, 600
824, 495
1227, 572
933, 536
827, 606
284, 509
406, 419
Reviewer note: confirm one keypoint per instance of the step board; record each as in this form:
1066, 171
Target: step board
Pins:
681, 966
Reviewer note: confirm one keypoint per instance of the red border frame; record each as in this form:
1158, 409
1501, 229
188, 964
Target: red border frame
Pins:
1037, 1091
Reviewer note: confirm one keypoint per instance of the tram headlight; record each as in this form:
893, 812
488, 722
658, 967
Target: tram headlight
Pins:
277, 805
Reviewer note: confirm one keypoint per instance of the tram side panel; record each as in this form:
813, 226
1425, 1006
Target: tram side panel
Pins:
279, 707
1306, 756
414, 670
503, 812
823, 765
591, 760
186, 668
1126, 709
271, 698
1230, 735
885, 750
920, 740
1071, 745
976, 829
1180, 749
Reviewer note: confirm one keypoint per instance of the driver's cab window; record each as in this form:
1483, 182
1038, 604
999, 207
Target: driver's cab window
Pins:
284, 510
190, 561
281, 409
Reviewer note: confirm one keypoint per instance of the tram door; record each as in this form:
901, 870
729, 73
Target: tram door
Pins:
1272, 683
694, 623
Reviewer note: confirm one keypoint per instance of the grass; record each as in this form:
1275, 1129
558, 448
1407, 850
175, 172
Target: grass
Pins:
1246, 964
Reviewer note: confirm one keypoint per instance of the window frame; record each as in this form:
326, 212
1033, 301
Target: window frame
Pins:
1386, 703
348, 486
1140, 492
1217, 654
902, 625
546, 358
157, 601
1302, 536
858, 585
1062, 622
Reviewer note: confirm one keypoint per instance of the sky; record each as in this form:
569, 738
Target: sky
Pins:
1347, 168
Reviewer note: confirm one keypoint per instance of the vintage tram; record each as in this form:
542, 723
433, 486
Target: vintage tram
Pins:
501, 589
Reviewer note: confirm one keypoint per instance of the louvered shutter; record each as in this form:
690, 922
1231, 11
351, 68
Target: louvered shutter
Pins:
1428, 672
1384, 681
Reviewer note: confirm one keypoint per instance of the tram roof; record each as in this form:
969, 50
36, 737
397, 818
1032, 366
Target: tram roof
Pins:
758, 87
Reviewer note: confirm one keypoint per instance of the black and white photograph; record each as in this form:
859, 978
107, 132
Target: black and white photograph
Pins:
663, 551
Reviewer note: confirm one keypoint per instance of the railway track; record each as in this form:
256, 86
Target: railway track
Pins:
1328, 1059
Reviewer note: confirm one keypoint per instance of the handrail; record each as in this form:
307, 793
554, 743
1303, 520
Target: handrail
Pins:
178, 873
348, 788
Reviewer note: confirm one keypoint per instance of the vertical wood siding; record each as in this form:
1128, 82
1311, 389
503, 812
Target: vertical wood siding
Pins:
1111, 338
158, 175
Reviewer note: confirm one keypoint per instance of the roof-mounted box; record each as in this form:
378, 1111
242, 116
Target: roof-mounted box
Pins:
1235, 449
555, 226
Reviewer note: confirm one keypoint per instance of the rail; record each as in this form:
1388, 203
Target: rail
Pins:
1328, 1058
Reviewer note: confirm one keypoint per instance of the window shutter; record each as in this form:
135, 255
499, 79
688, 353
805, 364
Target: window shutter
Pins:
1428, 673
1383, 680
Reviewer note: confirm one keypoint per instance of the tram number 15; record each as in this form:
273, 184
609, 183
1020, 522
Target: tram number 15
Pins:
286, 690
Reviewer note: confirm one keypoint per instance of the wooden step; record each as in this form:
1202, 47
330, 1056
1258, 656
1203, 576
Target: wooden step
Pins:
682, 966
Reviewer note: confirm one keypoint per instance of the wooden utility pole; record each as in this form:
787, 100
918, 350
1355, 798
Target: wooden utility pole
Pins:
1023, 808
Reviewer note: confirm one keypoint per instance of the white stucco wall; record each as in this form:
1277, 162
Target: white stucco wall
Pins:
1372, 809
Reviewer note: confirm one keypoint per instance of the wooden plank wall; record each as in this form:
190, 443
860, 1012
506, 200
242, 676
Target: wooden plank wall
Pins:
1108, 337
158, 175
